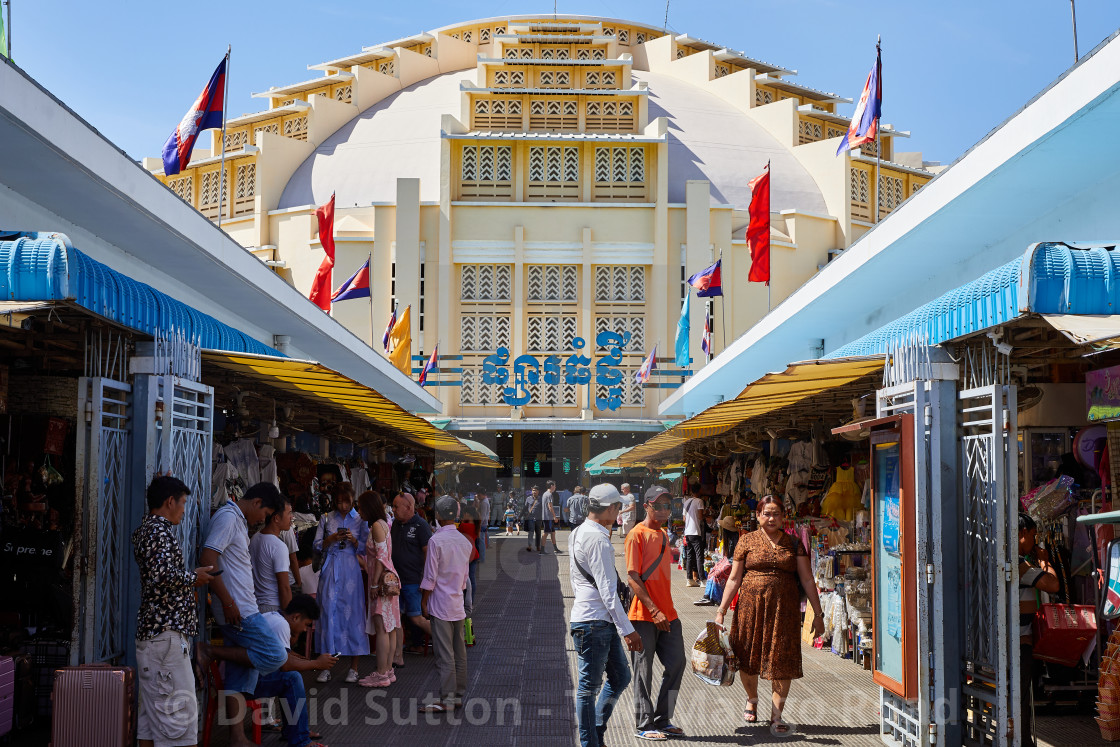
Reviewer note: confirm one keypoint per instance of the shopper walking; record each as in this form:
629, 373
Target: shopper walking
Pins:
598, 617
383, 612
532, 515
342, 538
766, 637
693, 537
655, 619
628, 515
511, 517
242, 624
410, 535
167, 620
548, 516
446, 603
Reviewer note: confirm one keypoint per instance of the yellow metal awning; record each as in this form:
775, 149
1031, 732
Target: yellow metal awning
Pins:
799, 383
335, 391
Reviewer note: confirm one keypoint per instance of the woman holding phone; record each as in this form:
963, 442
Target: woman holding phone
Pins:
341, 538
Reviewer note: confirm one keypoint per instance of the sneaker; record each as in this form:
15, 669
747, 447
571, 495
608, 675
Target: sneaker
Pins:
352, 676
376, 679
324, 676
392, 675
693, 583
704, 602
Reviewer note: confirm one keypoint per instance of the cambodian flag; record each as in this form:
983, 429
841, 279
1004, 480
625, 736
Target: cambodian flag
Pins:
207, 113
648, 365
431, 365
356, 287
709, 281
706, 340
865, 121
389, 329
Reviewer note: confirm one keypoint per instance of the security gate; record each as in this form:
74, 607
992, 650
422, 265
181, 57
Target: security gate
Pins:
102, 475
989, 554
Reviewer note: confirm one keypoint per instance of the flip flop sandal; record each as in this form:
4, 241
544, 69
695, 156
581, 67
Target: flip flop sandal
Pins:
750, 713
652, 735
434, 708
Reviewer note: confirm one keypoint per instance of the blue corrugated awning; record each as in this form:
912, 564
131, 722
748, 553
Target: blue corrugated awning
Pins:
1050, 278
47, 268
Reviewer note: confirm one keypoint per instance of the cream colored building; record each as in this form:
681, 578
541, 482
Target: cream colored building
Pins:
523, 181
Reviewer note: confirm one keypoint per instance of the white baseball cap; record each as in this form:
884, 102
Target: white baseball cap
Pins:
603, 495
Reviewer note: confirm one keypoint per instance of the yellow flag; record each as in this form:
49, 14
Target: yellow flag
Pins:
400, 344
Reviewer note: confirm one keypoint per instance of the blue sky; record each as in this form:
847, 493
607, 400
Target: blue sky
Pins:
952, 70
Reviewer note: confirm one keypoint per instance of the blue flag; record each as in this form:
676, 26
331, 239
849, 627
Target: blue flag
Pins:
683, 358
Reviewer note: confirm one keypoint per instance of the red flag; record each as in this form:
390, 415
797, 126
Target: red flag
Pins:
322, 286
758, 232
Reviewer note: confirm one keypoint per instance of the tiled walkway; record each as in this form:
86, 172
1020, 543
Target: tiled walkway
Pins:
522, 675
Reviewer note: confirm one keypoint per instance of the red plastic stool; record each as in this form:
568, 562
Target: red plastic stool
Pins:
215, 687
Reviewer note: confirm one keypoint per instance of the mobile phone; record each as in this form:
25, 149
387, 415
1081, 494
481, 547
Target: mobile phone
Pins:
336, 656
217, 572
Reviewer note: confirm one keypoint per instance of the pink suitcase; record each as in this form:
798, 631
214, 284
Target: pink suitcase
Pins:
7, 694
92, 706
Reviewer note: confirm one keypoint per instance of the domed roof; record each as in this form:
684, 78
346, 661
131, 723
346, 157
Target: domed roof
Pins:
400, 137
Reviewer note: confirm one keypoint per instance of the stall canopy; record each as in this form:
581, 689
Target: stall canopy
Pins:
345, 399
594, 465
481, 448
804, 390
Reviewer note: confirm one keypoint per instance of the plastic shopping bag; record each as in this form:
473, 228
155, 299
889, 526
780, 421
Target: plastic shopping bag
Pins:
712, 659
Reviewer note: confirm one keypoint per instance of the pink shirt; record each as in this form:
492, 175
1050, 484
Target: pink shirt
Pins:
445, 573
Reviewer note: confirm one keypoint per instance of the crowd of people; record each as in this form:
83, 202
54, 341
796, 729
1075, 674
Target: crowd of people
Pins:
381, 566
376, 569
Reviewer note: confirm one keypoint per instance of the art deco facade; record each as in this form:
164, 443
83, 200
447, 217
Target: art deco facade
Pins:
524, 181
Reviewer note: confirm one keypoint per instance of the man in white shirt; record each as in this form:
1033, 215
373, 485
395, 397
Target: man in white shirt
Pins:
271, 565
693, 537
548, 516
628, 515
598, 617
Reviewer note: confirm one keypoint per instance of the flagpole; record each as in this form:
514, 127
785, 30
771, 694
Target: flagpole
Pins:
8, 28
222, 140
372, 326
878, 143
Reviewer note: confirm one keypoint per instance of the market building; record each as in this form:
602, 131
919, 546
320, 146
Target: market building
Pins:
529, 183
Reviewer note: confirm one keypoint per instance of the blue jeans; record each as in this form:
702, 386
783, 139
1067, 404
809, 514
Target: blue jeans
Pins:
599, 651
265, 652
288, 685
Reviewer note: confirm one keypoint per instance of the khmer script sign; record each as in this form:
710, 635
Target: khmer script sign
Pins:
576, 370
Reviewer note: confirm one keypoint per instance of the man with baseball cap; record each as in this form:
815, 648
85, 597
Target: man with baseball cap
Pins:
648, 561
598, 617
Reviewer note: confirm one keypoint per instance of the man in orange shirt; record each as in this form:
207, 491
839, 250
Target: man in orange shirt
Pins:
648, 562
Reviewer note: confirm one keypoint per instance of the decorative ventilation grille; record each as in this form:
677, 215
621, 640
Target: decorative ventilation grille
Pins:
641, 38
553, 172
483, 332
620, 172
552, 333
553, 395
343, 93
680, 54
208, 194
497, 114
484, 36
487, 171
860, 192
624, 36
809, 131
608, 31
891, 193
553, 114
869, 149
296, 127
486, 282
634, 324
600, 79
722, 70
610, 116
236, 140
499, 30
245, 188
468, 37
598, 54
553, 283
474, 392
555, 79
272, 128
583, 54
615, 283
387, 68
832, 132
509, 79
183, 187
915, 186
511, 54
763, 96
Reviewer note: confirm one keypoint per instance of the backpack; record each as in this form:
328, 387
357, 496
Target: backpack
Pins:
578, 508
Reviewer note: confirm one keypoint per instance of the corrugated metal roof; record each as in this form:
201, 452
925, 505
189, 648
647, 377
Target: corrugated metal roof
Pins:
47, 268
1050, 278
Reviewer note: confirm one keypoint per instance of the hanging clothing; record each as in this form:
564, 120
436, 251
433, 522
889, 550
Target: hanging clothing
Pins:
243, 454
266, 461
359, 479
342, 594
844, 497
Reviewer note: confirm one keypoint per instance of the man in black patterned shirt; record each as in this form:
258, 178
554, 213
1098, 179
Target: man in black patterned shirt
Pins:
166, 622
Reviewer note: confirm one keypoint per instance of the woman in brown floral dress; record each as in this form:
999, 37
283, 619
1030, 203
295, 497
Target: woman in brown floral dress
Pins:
766, 638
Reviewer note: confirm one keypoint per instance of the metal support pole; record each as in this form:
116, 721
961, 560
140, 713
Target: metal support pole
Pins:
1072, 11
222, 139
8, 27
